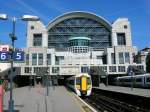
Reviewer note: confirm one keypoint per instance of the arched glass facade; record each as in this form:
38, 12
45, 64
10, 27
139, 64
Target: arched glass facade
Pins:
59, 34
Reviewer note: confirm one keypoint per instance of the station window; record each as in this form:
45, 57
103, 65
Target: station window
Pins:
40, 59
27, 70
37, 39
84, 69
125, 26
27, 59
112, 58
121, 38
32, 27
121, 58
127, 57
121, 68
112, 68
34, 59
98, 57
55, 69
49, 59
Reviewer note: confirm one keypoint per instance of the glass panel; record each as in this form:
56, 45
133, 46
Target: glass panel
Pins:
34, 59
55, 69
49, 59
78, 81
27, 59
75, 27
121, 68
37, 39
40, 61
121, 39
121, 58
88, 81
84, 69
127, 57
112, 58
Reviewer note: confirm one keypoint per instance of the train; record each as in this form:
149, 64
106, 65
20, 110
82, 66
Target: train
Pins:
140, 81
81, 84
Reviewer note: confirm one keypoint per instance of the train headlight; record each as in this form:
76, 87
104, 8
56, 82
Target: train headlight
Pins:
88, 87
78, 87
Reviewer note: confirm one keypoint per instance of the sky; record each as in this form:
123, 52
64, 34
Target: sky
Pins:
137, 11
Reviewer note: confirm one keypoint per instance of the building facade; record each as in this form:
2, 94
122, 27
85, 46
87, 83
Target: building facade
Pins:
76, 41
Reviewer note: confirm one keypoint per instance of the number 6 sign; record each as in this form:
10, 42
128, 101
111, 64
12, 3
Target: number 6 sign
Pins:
4, 56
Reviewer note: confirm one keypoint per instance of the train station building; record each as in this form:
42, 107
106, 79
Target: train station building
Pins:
76, 41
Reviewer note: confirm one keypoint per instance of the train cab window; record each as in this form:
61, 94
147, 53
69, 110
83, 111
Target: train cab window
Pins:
127, 80
78, 81
148, 80
88, 81
139, 80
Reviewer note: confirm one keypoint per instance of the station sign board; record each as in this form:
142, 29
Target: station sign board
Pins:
69, 70
6, 56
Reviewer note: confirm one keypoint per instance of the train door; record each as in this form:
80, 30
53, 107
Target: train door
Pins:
84, 83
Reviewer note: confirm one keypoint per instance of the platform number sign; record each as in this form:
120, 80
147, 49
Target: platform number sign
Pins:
4, 56
17, 56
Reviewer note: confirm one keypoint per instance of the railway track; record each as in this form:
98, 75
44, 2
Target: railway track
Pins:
106, 104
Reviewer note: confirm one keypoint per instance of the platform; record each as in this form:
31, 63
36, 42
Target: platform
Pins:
35, 100
126, 90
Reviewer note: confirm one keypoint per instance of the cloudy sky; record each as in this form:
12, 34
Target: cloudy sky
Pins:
137, 11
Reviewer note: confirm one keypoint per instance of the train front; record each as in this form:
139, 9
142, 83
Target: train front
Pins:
83, 85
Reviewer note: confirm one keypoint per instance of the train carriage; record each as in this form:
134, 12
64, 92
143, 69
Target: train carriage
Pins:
142, 81
81, 84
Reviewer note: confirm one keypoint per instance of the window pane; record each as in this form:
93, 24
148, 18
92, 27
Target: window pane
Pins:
112, 58
121, 59
127, 57
34, 59
84, 69
40, 61
37, 40
27, 59
121, 39
48, 59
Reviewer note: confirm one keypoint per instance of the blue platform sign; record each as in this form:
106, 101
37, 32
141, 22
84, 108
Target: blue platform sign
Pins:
17, 56
4, 56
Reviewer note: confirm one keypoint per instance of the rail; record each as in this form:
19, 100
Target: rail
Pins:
103, 103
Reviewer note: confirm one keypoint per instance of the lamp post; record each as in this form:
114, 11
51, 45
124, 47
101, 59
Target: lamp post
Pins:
131, 73
30, 71
106, 77
13, 38
47, 79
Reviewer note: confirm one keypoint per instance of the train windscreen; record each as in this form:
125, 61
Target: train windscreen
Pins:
78, 81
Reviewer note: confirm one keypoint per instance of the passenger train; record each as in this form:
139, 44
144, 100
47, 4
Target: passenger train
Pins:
81, 84
142, 81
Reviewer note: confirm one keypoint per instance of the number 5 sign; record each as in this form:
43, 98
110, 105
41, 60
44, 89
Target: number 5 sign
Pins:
18, 56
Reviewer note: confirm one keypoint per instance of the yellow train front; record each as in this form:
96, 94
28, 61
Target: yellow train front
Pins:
81, 84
